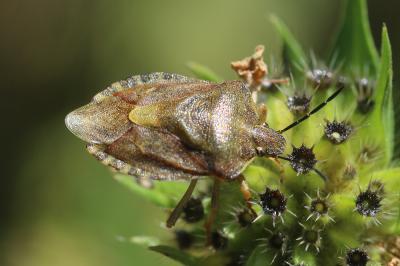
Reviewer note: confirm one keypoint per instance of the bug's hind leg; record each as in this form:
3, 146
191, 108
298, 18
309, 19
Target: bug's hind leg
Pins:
173, 217
214, 208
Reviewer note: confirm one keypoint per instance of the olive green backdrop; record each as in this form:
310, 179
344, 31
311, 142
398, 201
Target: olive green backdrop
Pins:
61, 207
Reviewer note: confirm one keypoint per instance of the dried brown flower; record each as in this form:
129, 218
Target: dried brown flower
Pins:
252, 69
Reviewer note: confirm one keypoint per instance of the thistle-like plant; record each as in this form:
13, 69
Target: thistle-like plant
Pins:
344, 213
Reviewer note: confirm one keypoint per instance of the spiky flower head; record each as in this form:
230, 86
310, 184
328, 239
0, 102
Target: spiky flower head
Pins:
299, 104
302, 159
338, 132
273, 202
356, 257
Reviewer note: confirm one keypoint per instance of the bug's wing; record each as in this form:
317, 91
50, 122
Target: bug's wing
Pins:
149, 154
105, 118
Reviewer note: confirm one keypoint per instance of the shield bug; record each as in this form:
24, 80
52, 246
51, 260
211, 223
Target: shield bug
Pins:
163, 126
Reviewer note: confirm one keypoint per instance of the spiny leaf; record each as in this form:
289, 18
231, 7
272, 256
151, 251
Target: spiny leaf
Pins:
355, 48
163, 194
176, 255
203, 72
383, 114
292, 49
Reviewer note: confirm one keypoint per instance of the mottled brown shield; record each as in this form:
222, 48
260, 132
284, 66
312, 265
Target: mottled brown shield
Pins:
167, 127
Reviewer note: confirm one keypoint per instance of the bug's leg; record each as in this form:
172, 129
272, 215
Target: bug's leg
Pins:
214, 208
173, 217
262, 113
244, 188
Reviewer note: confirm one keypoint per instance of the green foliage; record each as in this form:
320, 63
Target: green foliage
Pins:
355, 207
203, 72
292, 51
355, 48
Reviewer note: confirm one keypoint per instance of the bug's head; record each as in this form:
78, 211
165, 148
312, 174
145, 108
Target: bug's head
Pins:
267, 141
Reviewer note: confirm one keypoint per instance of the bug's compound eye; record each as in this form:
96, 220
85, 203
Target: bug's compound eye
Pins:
260, 151
320, 78
356, 257
302, 159
298, 104
338, 132
368, 203
273, 202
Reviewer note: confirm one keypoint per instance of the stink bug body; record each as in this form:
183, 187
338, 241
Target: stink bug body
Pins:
168, 127
164, 126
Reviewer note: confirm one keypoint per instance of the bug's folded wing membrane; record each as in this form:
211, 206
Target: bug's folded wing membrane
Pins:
150, 154
100, 122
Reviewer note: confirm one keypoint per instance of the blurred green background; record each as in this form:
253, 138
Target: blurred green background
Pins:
59, 205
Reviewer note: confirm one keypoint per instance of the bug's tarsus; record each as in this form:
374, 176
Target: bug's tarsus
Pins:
181, 204
313, 111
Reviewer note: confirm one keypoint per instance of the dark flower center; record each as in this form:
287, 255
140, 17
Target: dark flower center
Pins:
302, 159
245, 218
273, 202
365, 90
337, 132
298, 104
218, 241
184, 239
193, 211
368, 203
276, 240
319, 206
320, 78
311, 236
356, 257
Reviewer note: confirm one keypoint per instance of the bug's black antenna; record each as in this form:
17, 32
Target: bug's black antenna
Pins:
313, 111
324, 177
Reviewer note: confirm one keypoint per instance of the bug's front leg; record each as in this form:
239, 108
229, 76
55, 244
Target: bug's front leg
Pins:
244, 188
262, 113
